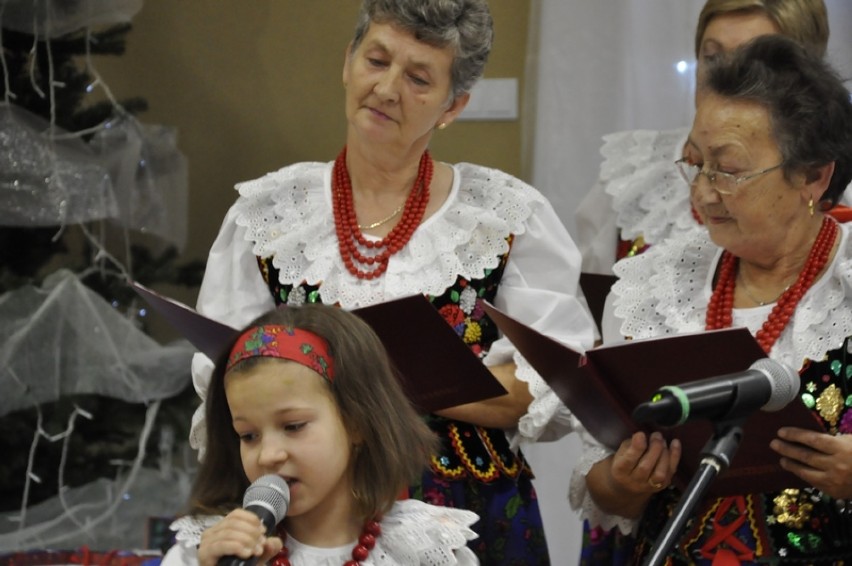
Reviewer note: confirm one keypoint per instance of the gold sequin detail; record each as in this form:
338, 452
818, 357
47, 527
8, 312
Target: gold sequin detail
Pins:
637, 245
791, 509
830, 404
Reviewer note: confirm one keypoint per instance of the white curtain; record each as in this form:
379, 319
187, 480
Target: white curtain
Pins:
596, 67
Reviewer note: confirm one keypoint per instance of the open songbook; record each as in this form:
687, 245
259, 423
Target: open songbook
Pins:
437, 370
603, 386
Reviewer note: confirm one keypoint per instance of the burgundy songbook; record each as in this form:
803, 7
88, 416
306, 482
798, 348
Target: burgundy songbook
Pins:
603, 385
437, 370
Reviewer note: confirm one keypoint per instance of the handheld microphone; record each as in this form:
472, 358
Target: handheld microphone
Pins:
766, 385
268, 497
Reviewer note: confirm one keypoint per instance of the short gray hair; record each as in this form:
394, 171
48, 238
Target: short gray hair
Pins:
808, 104
466, 25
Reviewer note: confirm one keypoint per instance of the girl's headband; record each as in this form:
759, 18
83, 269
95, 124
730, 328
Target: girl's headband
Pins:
276, 341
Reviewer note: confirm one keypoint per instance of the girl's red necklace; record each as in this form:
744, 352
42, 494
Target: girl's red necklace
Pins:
371, 531
367, 259
721, 306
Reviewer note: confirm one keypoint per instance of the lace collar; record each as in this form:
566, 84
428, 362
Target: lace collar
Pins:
413, 533
666, 290
288, 214
649, 197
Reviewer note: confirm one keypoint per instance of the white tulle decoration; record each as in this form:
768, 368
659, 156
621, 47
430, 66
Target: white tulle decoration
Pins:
64, 339
46, 181
55, 18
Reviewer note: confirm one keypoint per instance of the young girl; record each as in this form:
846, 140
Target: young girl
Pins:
307, 393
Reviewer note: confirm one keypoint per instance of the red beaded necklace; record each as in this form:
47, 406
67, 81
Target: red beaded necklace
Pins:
349, 236
721, 306
371, 531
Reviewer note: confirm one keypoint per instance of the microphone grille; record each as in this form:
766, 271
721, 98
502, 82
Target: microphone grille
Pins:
271, 492
783, 380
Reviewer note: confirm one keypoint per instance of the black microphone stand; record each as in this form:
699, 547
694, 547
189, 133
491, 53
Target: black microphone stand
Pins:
716, 457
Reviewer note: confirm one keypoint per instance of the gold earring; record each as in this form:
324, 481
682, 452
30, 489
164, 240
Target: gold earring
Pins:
811, 206
442, 125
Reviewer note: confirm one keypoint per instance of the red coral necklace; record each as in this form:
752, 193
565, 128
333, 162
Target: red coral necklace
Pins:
721, 305
366, 541
367, 259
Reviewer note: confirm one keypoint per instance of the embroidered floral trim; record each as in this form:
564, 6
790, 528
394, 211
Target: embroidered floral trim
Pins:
440, 465
511, 470
276, 341
482, 470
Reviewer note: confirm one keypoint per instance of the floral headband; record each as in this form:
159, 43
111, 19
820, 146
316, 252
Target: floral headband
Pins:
276, 341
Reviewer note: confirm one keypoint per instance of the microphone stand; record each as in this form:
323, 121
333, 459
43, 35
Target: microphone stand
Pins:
716, 457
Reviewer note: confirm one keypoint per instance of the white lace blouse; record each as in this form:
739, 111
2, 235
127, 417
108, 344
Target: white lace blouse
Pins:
666, 291
288, 214
413, 534
638, 193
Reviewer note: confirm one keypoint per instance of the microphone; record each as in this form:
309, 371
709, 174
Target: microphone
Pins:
268, 498
766, 385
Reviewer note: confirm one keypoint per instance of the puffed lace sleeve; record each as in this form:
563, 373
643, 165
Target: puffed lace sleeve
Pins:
540, 287
638, 193
188, 531
418, 533
233, 292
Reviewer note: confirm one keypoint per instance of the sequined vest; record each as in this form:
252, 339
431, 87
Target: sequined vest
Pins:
794, 526
467, 451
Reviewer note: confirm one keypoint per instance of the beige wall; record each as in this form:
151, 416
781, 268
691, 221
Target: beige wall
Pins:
254, 85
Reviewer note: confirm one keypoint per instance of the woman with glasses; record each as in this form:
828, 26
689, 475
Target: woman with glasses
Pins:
638, 199
769, 151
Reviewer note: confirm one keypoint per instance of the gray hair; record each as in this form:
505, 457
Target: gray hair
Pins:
465, 25
809, 107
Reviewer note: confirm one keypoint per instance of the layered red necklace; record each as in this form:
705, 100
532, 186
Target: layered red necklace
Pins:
368, 259
366, 541
721, 306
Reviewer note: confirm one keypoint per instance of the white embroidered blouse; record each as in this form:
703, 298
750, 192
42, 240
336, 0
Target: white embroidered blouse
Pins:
639, 192
666, 291
413, 534
288, 214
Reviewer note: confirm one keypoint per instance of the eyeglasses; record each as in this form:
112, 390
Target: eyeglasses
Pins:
723, 183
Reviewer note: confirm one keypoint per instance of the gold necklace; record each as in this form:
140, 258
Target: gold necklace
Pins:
383, 220
744, 286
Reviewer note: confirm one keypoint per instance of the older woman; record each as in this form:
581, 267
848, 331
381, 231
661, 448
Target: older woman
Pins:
769, 152
637, 199
384, 221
